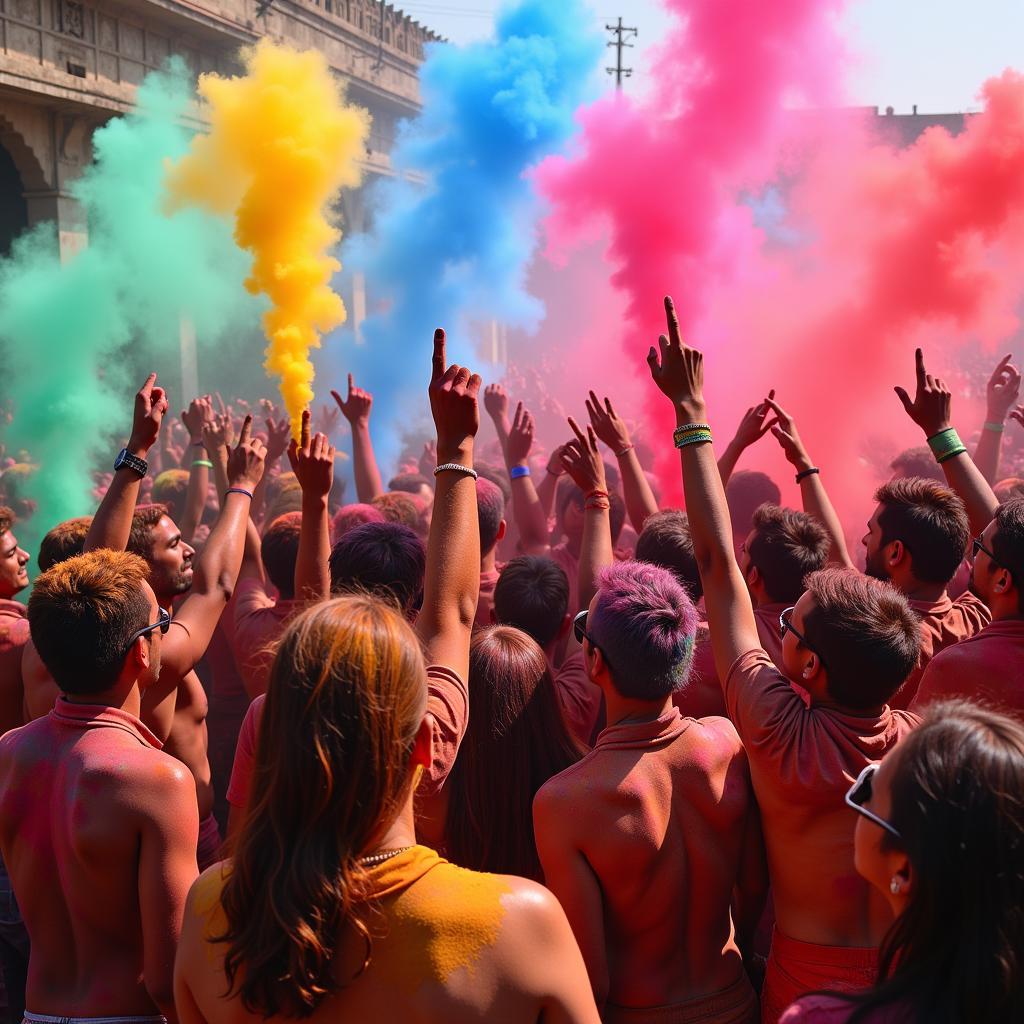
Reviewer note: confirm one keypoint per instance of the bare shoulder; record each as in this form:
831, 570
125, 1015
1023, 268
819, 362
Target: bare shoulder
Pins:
532, 912
718, 736
155, 780
560, 797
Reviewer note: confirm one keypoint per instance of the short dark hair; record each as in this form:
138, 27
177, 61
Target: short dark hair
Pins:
144, 520
7, 518
787, 546
918, 462
666, 540
865, 633
745, 493
532, 594
279, 551
387, 560
82, 614
408, 483
930, 520
64, 541
1008, 543
490, 508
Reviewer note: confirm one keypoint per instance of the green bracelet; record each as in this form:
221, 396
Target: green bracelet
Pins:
693, 437
995, 428
202, 462
945, 444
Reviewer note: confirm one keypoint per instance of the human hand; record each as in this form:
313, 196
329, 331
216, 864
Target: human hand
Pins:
246, 462
218, 433
428, 460
199, 411
784, 431
496, 402
607, 425
755, 423
279, 432
555, 465
932, 403
581, 459
1018, 415
356, 407
1003, 390
453, 395
150, 406
679, 371
520, 437
327, 419
312, 460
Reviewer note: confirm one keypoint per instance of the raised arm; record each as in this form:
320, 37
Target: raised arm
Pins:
356, 409
679, 373
451, 587
113, 520
931, 411
582, 460
549, 485
530, 517
279, 435
640, 501
218, 436
313, 465
1002, 394
199, 412
754, 425
815, 498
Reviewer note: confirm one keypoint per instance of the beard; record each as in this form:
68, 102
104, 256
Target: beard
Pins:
874, 568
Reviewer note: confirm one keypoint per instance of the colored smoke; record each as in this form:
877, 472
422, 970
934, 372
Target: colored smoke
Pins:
455, 251
282, 144
76, 337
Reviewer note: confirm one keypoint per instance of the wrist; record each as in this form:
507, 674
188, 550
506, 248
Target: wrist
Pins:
996, 415
694, 411
138, 448
931, 429
314, 502
461, 452
801, 462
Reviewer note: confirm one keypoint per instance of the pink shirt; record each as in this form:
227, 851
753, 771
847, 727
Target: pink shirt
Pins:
988, 666
258, 623
833, 1010
579, 698
570, 565
447, 707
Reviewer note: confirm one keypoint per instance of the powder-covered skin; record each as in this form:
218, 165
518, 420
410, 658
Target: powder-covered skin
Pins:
282, 143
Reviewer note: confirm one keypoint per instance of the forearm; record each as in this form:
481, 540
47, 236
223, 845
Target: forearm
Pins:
219, 458
817, 503
530, 519
217, 567
364, 464
112, 523
546, 494
195, 497
640, 500
964, 477
727, 463
986, 455
595, 553
312, 573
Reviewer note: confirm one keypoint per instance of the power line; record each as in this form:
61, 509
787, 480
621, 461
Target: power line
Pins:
621, 33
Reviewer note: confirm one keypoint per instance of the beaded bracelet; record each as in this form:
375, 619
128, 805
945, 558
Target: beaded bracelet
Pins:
694, 437
813, 471
946, 444
456, 468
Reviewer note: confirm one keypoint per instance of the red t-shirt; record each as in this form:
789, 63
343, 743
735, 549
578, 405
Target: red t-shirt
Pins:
767, 619
702, 695
570, 565
579, 698
988, 666
833, 1010
943, 623
447, 706
258, 623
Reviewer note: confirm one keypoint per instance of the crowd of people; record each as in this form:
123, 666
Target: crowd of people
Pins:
508, 741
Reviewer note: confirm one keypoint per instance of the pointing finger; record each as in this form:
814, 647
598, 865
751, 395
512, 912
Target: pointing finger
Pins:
438, 362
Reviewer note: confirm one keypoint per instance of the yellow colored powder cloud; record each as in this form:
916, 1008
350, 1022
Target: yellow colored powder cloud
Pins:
282, 143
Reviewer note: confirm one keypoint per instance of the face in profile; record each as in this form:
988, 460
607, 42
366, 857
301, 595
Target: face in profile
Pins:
13, 565
874, 559
170, 560
155, 640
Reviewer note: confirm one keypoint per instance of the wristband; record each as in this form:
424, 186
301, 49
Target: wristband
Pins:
945, 445
625, 451
456, 468
517, 472
555, 474
813, 471
693, 437
996, 428
597, 505
596, 493
202, 462
198, 444
239, 490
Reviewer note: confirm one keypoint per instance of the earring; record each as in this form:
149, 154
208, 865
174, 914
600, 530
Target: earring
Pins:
895, 886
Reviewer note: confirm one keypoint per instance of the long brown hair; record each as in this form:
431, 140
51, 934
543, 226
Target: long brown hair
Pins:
515, 742
346, 696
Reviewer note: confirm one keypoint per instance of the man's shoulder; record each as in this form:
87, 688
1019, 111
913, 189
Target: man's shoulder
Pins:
716, 734
562, 791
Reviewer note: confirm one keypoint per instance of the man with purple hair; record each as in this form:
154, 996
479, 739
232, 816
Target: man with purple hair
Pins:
652, 841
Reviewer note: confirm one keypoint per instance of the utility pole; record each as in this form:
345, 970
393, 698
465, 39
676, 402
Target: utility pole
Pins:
621, 34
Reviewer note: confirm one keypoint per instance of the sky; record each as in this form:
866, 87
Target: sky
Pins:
924, 52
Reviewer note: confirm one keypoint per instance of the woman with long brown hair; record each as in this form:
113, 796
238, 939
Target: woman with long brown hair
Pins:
515, 742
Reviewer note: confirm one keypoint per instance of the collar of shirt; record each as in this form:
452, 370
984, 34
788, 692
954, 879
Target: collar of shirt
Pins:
89, 716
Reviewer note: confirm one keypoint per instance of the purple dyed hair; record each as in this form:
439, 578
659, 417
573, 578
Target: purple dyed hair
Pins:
645, 625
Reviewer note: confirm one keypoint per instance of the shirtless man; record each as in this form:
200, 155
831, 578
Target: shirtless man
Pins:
850, 643
175, 708
647, 840
98, 827
13, 622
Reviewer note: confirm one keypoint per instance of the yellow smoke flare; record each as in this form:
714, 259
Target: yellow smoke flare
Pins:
282, 143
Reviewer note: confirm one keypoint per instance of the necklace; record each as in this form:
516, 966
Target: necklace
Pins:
379, 858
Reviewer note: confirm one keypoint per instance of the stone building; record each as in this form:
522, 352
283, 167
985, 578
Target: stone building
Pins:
67, 67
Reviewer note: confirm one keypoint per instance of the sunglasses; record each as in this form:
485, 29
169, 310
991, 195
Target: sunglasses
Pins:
978, 546
579, 628
785, 625
860, 793
163, 624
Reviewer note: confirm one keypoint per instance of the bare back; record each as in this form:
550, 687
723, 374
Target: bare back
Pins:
658, 813
82, 806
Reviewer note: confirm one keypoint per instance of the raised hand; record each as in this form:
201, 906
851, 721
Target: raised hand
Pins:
1003, 390
784, 431
200, 410
428, 460
246, 461
150, 406
678, 370
520, 437
327, 419
555, 464
356, 407
755, 423
581, 459
279, 432
312, 460
932, 403
453, 395
607, 425
218, 433
496, 401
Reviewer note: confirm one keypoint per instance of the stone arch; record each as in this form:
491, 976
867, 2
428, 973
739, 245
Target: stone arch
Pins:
20, 173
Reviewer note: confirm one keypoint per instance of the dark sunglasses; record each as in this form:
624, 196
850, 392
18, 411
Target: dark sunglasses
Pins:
860, 793
978, 546
163, 624
579, 628
785, 624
